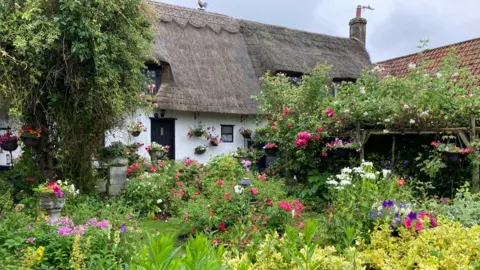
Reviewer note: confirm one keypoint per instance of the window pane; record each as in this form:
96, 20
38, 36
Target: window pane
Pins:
227, 129
227, 138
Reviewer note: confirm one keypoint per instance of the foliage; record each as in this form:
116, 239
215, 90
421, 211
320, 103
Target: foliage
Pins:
136, 126
114, 150
197, 130
463, 208
352, 194
71, 69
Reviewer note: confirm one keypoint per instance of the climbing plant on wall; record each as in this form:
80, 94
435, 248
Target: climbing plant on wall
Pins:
72, 68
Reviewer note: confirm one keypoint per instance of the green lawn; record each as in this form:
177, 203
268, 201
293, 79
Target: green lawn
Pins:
172, 226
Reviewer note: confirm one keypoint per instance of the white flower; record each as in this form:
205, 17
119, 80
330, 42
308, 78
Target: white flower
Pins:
238, 189
59, 182
439, 75
293, 213
346, 170
339, 188
370, 176
387, 120
362, 90
346, 111
412, 121
406, 106
412, 66
159, 201
332, 182
385, 131
385, 173
367, 164
365, 113
424, 113
455, 74
345, 183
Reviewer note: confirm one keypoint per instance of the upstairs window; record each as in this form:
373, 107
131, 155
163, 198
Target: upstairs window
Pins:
227, 133
293, 77
153, 75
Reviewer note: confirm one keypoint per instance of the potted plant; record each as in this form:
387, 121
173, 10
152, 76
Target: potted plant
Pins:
451, 151
114, 154
135, 128
198, 131
246, 133
157, 151
30, 136
51, 198
213, 138
342, 148
9, 142
270, 148
200, 149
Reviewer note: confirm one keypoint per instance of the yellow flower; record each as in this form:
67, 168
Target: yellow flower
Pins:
40, 253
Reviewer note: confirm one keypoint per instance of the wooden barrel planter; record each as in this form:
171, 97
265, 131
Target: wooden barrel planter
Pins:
9, 145
29, 141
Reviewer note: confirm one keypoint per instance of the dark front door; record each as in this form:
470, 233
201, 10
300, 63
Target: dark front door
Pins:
163, 132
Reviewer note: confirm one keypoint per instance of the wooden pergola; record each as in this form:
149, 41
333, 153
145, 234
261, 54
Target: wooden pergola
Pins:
363, 135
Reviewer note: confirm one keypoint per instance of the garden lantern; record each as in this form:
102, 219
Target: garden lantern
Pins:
245, 182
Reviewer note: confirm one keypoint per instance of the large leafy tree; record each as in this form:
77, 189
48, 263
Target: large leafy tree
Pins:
72, 68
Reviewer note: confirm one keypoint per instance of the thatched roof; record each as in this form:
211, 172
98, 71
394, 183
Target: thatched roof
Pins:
215, 61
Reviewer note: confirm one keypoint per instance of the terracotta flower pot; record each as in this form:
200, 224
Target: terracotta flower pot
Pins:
135, 134
9, 145
30, 141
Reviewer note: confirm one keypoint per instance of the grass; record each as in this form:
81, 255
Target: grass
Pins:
171, 227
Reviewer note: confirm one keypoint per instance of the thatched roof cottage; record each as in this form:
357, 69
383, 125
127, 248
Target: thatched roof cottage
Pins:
210, 65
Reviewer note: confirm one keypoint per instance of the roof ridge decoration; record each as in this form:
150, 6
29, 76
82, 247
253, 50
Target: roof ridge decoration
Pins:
196, 18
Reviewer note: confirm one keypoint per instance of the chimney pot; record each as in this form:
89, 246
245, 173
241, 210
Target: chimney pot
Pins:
359, 11
358, 27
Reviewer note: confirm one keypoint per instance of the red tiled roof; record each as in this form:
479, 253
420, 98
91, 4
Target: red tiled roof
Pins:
468, 52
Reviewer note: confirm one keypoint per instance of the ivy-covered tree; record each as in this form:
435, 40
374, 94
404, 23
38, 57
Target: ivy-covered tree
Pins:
72, 68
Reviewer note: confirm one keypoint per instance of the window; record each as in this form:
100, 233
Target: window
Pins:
293, 77
154, 77
227, 133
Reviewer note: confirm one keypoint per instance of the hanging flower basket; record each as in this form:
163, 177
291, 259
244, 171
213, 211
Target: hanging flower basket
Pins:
198, 133
214, 142
342, 152
29, 141
135, 133
10, 145
451, 156
200, 150
246, 133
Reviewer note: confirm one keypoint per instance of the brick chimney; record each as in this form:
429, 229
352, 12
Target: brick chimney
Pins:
358, 27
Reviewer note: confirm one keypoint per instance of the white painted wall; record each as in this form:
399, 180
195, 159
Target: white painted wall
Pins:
184, 146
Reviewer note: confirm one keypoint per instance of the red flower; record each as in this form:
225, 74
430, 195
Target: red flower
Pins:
290, 125
287, 111
269, 201
319, 130
401, 182
30, 179
180, 184
220, 182
408, 223
227, 196
285, 206
262, 177
221, 226
317, 137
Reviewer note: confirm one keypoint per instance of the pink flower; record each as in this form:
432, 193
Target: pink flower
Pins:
221, 226
464, 151
227, 196
300, 142
287, 111
64, 230
188, 162
418, 225
262, 177
290, 125
319, 130
317, 137
102, 224
269, 201
304, 135
408, 223
324, 154
220, 182
285, 206
470, 149
330, 112
180, 184
254, 191
298, 206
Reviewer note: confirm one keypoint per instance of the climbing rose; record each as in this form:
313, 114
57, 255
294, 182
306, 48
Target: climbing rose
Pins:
330, 112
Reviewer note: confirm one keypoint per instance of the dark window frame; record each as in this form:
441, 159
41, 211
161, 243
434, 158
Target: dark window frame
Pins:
228, 134
157, 69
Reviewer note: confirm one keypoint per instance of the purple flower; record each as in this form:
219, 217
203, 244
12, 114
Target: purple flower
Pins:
64, 230
405, 163
92, 222
64, 221
246, 163
30, 240
388, 204
80, 230
412, 215
102, 224
123, 228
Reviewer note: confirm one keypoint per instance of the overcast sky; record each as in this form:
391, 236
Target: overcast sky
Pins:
394, 28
